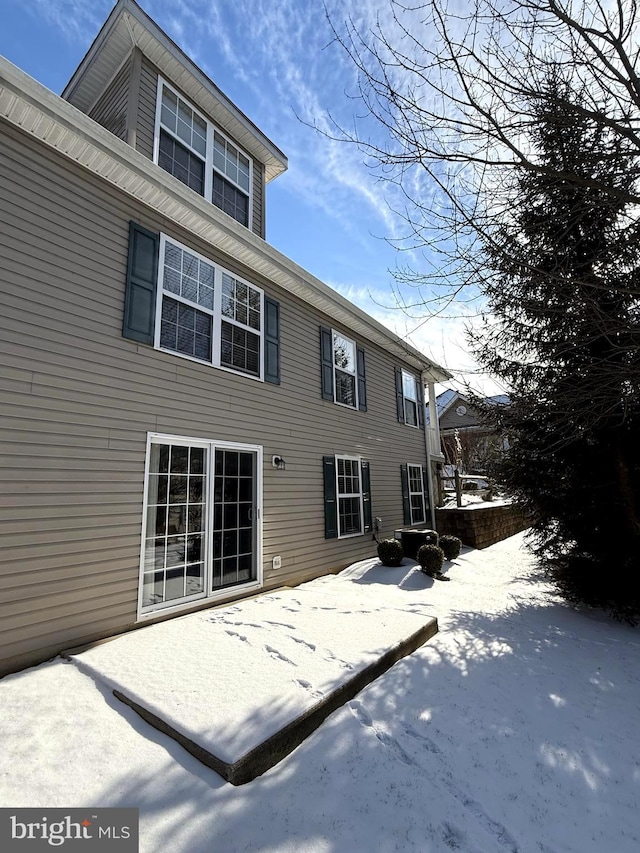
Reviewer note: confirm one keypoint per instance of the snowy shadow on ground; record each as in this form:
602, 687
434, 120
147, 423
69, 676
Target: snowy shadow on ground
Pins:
513, 729
407, 577
510, 731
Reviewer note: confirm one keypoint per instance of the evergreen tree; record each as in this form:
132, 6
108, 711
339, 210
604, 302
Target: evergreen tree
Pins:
563, 333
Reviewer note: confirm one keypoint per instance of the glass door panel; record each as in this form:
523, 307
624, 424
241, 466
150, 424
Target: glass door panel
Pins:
176, 518
234, 518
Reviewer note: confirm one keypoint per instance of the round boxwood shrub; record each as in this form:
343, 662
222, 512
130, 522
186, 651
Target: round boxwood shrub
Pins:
450, 545
430, 558
390, 552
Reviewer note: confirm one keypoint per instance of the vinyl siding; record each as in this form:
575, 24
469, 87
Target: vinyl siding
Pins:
146, 108
111, 108
259, 225
451, 420
77, 401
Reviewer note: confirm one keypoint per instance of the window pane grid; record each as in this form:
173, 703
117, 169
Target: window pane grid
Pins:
350, 516
240, 302
349, 496
179, 519
190, 320
416, 494
181, 163
233, 540
240, 349
178, 117
188, 276
190, 148
344, 370
184, 329
175, 536
231, 200
228, 160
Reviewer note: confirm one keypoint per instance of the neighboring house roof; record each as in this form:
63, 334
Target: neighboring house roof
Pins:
447, 400
128, 26
58, 124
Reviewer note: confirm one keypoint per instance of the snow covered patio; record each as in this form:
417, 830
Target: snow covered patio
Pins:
242, 685
513, 729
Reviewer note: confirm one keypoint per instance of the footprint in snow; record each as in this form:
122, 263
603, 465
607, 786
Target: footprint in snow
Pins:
278, 655
235, 634
300, 641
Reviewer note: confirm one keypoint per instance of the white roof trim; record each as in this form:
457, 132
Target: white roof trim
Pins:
45, 116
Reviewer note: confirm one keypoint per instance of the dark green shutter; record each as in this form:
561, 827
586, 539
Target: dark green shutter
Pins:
420, 396
326, 356
399, 396
330, 498
271, 341
362, 380
142, 276
366, 496
406, 503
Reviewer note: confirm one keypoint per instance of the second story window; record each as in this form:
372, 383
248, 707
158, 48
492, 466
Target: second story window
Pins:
342, 370
344, 366
410, 394
409, 399
191, 149
207, 314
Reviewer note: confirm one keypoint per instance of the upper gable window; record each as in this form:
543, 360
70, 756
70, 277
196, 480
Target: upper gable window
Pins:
191, 149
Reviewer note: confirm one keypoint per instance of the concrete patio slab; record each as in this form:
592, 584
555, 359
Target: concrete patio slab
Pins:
241, 686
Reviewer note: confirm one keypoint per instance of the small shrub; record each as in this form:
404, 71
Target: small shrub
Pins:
451, 546
430, 558
390, 552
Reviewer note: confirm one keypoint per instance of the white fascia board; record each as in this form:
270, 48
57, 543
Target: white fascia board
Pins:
58, 124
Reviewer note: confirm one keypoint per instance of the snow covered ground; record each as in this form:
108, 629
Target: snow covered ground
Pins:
229, 678
513, 729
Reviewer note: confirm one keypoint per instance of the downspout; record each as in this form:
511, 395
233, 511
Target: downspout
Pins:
428, 387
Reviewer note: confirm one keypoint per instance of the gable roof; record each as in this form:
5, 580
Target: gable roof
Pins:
448, 398
127, 27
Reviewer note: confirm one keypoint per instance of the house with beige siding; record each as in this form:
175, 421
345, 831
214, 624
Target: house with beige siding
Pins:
186, 415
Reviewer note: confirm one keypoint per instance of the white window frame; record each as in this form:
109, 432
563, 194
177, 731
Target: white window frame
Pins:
415, 399
335, 333
216, 314
177, 605
359, 495
209, 168
422, 520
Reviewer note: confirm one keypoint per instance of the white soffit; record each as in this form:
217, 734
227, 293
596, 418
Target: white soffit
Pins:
30, 106
127, 27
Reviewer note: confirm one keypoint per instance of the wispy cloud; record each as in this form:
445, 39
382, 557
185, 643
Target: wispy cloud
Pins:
77, 20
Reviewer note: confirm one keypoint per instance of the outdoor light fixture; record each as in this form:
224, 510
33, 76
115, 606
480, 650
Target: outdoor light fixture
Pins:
278, 462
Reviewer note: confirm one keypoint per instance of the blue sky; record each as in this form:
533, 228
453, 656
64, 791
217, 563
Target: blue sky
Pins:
276, 59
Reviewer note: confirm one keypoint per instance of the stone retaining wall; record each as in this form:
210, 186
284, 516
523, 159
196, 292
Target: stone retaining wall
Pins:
483, 524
